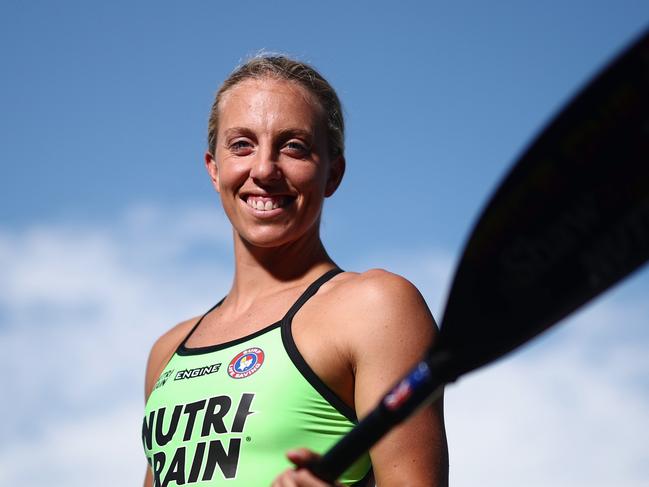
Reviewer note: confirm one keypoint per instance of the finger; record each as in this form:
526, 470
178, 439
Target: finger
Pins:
304, 478
302, 457
298, 478
285, 480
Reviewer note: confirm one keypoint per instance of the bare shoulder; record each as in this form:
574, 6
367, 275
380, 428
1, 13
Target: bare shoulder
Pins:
375, 283
381, 309
387, 327
162, 350
378, 292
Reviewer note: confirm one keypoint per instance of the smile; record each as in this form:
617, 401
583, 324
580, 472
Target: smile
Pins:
267, 203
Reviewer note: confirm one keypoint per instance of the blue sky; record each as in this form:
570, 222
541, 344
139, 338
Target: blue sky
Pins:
110, 231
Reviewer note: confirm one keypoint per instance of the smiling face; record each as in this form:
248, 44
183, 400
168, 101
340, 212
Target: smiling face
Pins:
271, 164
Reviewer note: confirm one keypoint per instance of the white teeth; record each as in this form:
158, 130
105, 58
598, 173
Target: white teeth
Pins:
264, 205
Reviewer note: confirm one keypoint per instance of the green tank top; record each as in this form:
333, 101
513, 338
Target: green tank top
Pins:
225, 415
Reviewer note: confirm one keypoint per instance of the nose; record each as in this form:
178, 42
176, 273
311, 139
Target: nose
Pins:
264, 166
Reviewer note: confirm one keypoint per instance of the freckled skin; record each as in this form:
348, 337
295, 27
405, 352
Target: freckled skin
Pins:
261, 125
361, 331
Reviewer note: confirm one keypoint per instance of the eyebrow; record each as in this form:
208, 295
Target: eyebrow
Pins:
237, 131
295, 132
282, 133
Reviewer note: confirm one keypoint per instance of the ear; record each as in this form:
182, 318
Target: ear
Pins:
213, 170
336, 172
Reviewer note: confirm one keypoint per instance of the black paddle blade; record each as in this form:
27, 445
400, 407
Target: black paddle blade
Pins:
570, 220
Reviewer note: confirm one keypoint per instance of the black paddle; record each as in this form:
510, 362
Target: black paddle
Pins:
570, 220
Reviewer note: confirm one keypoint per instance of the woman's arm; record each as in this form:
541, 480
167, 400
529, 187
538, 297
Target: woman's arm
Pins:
387, 329
397, 328
148, 478
160, 354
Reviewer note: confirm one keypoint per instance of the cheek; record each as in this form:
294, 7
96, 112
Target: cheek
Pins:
310, 178
231, 175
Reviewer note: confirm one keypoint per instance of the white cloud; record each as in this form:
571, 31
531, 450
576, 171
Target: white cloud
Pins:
100, 449
80, 306
565, 412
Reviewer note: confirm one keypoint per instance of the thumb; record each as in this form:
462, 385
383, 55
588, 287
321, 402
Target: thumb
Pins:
301, 457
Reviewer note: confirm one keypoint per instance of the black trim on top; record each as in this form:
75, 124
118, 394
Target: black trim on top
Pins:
191, 332
367, 480
310, 291
183, 350
298, 360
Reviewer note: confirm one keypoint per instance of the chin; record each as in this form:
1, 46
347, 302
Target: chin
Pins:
273, 237
265, 240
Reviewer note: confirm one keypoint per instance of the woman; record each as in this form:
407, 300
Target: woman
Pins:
298, 349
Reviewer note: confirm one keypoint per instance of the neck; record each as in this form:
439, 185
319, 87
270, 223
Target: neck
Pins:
262, 271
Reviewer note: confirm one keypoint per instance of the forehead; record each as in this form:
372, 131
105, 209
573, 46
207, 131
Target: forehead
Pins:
270, 103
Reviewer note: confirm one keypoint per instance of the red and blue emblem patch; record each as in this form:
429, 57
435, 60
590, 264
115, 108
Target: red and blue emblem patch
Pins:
246, 363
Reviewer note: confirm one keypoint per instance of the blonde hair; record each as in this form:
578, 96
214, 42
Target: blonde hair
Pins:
284, 68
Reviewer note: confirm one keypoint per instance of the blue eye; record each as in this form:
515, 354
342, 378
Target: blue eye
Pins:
296, 147
240, 146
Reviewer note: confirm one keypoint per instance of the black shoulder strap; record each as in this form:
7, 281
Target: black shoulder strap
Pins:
310, 291
191, 332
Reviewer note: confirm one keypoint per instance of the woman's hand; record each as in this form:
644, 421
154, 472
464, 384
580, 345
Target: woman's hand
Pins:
300, 476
